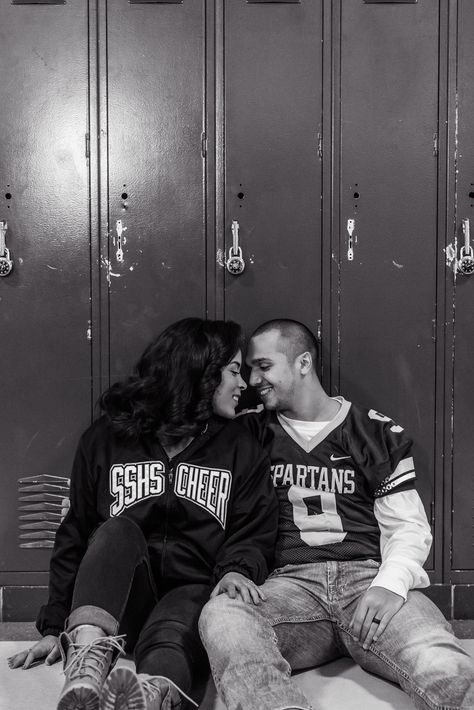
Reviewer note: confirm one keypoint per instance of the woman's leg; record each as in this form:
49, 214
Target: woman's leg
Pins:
115, 561
168, 654
113, 585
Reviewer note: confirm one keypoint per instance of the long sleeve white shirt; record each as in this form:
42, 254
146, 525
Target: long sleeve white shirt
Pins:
405, 542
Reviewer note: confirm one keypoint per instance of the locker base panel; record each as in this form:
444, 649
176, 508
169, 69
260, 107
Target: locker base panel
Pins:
21, 602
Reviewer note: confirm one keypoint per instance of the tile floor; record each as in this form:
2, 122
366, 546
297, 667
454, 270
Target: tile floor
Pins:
340, 685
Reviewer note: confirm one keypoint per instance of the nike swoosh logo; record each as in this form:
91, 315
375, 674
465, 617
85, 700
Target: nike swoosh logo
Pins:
338, 458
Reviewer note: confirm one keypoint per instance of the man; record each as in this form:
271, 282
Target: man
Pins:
353, 537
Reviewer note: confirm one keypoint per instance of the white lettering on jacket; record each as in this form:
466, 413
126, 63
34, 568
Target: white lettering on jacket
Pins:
132, 482
207, 487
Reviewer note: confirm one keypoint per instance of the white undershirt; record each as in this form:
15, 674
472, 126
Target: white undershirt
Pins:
307, 430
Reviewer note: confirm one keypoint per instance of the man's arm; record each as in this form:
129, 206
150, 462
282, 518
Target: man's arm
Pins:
405, 541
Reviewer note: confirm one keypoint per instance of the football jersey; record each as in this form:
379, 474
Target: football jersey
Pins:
327, 486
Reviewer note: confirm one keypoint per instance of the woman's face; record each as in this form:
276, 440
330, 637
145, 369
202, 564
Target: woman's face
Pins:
227, 395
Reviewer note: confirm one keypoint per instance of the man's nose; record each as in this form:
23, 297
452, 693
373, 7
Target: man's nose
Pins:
254, 378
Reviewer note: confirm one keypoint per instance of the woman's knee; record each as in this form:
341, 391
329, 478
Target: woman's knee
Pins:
119, 533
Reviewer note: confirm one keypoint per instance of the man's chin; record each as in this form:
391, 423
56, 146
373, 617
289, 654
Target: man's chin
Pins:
268, 403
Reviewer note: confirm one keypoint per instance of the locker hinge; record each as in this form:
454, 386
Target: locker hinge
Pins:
433, 330
318, 330
320, 146
435, 144
203, 145
88, 146
432, 514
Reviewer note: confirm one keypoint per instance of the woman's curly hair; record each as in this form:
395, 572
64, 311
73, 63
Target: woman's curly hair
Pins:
170, 393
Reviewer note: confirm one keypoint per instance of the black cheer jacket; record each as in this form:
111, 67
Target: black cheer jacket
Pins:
209, 510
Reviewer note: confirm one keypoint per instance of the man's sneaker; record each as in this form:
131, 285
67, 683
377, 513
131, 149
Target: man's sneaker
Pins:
86, 667
125, 690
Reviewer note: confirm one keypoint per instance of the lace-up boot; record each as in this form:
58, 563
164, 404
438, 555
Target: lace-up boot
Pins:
125, 690
86, 667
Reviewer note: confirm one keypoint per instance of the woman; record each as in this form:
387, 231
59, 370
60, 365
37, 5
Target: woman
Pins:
168, 497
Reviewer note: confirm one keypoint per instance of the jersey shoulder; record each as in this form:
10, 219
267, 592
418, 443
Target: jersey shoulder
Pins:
382, 447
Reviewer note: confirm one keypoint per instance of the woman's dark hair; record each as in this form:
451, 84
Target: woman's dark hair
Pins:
170, 392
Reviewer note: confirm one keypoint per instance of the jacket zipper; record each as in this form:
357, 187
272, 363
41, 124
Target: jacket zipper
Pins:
165, 537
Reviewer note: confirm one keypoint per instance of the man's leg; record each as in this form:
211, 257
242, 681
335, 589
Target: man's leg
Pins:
253, 649
419, 651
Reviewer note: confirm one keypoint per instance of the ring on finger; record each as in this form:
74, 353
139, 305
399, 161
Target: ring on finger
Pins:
376, 621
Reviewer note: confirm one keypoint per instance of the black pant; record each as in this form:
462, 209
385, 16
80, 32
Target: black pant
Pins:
159, 617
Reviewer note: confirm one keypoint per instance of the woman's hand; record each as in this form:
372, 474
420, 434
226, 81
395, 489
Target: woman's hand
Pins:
234, 583
47, 648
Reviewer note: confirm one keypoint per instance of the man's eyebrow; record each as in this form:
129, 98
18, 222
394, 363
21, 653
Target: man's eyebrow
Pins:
258, 360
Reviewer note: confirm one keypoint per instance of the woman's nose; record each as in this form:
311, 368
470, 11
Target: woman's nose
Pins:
242, 383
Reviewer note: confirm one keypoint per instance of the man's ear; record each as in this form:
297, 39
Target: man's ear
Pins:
305, 363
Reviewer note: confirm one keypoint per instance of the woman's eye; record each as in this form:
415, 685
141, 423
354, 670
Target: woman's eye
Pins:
235, 372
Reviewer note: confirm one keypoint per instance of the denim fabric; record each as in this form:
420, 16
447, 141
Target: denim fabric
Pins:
305, 622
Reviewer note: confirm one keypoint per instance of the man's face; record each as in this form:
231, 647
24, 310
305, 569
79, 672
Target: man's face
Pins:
272, 374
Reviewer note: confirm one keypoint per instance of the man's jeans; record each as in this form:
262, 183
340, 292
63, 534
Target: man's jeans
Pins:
305, 622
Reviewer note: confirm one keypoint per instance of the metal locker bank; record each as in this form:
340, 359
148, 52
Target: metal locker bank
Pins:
239, 159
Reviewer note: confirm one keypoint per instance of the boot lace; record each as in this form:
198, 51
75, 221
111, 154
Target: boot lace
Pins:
155, 687
90, 659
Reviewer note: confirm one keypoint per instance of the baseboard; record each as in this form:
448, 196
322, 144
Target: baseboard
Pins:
21, 602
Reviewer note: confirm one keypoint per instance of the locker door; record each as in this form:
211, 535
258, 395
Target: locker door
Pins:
272, 126
383, 339
155, 102
45, 301
463, 410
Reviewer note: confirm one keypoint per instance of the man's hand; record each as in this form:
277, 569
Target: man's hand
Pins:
234, 583
47, 647
378, 604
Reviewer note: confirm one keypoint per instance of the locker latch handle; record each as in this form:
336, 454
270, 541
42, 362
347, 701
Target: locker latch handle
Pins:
6, 264
466, 253
235, 263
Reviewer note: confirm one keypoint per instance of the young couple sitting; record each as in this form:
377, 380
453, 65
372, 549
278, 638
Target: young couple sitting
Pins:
276, 541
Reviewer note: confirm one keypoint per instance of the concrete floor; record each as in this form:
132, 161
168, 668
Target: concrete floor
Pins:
340, 685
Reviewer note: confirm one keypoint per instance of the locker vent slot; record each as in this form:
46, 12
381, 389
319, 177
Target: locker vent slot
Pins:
38, 2
41, 500
390, 2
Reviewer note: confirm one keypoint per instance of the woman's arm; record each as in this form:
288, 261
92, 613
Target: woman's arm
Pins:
69, 547
253, 520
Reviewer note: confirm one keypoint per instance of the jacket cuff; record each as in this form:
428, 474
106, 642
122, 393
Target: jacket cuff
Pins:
221, 570
51, 631
51, 619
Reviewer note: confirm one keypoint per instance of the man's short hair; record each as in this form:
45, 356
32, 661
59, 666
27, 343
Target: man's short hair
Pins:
298, 338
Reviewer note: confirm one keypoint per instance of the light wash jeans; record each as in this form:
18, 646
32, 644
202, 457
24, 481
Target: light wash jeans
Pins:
305, 622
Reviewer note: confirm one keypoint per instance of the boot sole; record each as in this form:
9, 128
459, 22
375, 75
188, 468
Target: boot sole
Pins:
79, 699
122, 691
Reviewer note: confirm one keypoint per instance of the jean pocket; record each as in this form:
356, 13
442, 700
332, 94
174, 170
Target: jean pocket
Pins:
373, 563
276, 571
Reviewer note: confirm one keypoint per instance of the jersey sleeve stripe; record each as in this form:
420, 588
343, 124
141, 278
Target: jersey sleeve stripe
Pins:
404, 466
389, 485
401, 479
